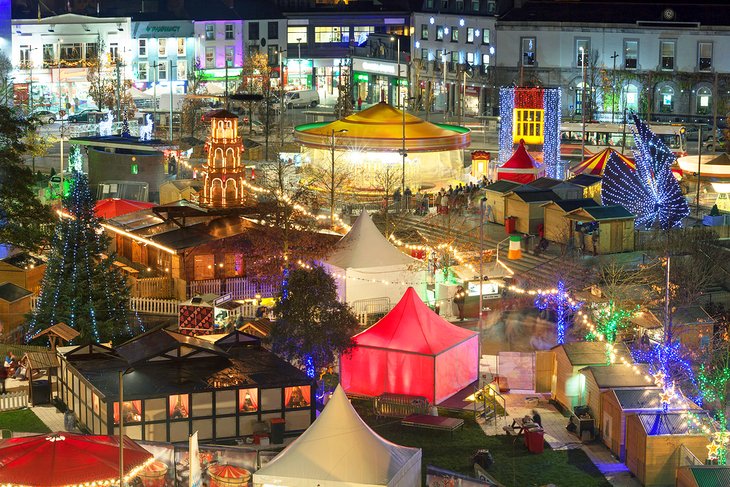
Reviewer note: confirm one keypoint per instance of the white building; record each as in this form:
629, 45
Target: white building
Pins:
220, 50
51, 56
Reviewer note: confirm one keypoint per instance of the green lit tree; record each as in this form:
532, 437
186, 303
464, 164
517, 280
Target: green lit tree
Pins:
81, 286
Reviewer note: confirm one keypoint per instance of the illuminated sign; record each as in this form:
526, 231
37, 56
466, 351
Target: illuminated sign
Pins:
161, 29
378, 67
490, 288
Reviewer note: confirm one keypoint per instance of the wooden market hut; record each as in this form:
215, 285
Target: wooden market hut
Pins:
260, 327
495, 204
601, 379
558, 228
41, 369
14, 306
590, 185
563, 189
654, 441
526, 207
615, 228
703, 476
619, 403
23, 270
568, 382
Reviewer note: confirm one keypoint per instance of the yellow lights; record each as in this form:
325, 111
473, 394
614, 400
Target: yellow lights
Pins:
528, 125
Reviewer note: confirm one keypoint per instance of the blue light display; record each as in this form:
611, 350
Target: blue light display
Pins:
551, 143
506, 107
564, 306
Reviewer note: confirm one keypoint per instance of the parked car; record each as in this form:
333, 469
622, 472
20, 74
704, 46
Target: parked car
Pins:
90, 115
44, 116
301, 99
712, 146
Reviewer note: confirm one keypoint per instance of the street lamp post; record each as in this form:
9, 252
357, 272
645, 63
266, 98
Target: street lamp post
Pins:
613, 99
299, 58
281, 101
482, 209
583, 102
332, 177
403, 113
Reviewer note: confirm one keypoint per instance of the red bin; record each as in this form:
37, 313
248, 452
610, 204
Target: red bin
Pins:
535, 440
509, 225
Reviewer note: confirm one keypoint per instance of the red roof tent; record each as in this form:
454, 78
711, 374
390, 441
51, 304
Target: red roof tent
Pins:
65, 459
413, 351
521, 167
113, 207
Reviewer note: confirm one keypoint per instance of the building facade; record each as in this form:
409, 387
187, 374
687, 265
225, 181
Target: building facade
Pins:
52, 56
220, 51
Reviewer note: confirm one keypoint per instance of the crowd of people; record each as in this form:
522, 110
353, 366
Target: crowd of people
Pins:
455, 199
13, 369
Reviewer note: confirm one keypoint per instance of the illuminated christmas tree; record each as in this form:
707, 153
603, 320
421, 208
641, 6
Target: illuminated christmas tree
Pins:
81, 286
564, 306
650, 191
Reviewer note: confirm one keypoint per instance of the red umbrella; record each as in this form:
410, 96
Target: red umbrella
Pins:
113, 207
67, 459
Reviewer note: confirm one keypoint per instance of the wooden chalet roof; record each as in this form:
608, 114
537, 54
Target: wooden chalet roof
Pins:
42, 360
619, 375
61, 330
592, 353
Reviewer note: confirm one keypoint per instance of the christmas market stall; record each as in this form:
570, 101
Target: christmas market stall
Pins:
176, 384
558, 228
207, 314
525, 207
340, 450
109, 208
603, 229
67, 459
412, 351
590, 185
521, 167
564, 189
654, 443
495, 205
703, 475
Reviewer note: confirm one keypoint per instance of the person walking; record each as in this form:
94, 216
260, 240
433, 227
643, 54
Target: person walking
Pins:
3, 376
359, 102
459, 299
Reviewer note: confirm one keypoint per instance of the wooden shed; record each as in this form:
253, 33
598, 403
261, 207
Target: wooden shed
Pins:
260, 327
618, 403
23, 270
693, 326
564, 189
14, 306
558, 228
654, 441
526, 207
495, 204
703, 476
602, 379
614, 224
568, 382
590, 185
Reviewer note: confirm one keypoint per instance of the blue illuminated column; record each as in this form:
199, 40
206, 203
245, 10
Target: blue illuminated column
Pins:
506, 113
551, 144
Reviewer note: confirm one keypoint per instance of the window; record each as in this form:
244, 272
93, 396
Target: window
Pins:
666, 99
179, 406
92, 51
424, 54
454, 58
113, 52
209, 32
424, 32
492, 7
361, 33
210, 57
296, 34
475, 5
323, 35
71, 53
528, 125
248, 400
440, 33
203, 267
25, 55
162, 71
253, 50
181, 47
297, 397
631, 98
253, 31
469, 35
582, 52
142, 71
579, 99
429, 3
230, 56
631, 54
485, 36
273, 51
233, 266
528, 51
666, 52
162, 47
444, 4
704, 56
142, 48
454, 34
459, 5
470, 57
182, 69
229, 32
273, 30
131, 410
704, 97
485, 59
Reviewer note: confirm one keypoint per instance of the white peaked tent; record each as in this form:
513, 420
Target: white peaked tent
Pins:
339, 450
367, 266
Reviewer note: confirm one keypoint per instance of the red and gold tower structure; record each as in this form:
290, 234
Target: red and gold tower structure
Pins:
225, 175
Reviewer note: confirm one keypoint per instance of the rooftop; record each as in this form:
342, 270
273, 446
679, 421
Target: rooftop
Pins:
502, 186
592, 353
584, 180
10, 292
619, 375
674, 423
23, 260
570, 205
645, 398
601, 213
529, 196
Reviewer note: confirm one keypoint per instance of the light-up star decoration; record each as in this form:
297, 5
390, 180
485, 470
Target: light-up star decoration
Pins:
564, 306
651, 191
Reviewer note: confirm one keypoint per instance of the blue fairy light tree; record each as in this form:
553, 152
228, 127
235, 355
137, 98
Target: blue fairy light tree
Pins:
650, 191
559, 301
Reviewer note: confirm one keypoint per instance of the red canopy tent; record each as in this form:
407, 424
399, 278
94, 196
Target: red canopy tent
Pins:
521, 167
66, 459
113, 207
413, 351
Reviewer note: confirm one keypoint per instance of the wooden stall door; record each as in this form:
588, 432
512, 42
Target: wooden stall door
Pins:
519, 369
544, 365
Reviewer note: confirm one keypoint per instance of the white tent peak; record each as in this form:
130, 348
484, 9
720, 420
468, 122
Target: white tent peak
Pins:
340, 449
364, 246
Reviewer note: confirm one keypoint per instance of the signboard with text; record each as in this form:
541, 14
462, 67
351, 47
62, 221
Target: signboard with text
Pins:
162, 29
379, 66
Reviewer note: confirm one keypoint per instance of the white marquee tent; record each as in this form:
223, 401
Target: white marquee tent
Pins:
367, 267
340, 450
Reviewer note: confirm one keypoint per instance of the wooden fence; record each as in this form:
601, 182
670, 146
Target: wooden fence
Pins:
154, 306
153, 287
238, 287
13, 400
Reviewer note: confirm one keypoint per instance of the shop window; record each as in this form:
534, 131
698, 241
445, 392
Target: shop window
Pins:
155, 409
209, 32
424, 32
162, 71
273, 30
229, 32
297, 397
270, 399
210, 57
253, 31
203, 267
485, 36
142, 48
142, 71
439, 32
454, 34
131, 412
704, 56
248, 400
631, 54
667, 51
202, 404
71, 53
179, 406
181, 47
182, 69
230, 56
469, 35
162, 47
92, 51
582, 52
529, 51
296, 34
528, 125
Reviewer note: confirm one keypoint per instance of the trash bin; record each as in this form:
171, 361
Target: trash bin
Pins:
509, 224
40, 392
69, 421
278, 425
534, 438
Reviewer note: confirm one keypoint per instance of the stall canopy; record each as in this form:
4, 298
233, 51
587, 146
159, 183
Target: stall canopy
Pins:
413, 351
521, 167
596, 164
67, 459
113, 207
339, 450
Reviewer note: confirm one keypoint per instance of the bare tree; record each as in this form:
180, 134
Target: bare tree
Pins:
387, 180
193, 103
330, 177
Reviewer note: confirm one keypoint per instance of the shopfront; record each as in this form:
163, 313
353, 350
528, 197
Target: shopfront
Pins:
471, 100
375, 80
328, 75
299, 74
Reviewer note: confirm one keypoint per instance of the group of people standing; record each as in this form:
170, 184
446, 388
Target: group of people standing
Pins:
12, 369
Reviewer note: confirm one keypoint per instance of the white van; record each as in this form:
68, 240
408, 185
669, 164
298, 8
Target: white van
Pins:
302, 98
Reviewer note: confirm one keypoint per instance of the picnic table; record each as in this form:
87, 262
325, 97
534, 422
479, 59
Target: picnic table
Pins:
426, 421
519, 426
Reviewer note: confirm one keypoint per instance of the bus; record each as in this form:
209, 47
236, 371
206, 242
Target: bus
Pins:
617, 136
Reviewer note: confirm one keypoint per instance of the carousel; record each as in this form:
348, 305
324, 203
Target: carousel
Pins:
370, 143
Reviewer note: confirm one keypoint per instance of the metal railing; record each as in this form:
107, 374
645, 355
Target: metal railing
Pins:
686, 457
238, 287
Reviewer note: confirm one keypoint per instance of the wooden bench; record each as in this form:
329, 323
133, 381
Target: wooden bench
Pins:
441, 423
392, 405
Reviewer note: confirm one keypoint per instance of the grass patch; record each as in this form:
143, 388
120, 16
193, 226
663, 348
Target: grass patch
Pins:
513, 465
23, 421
